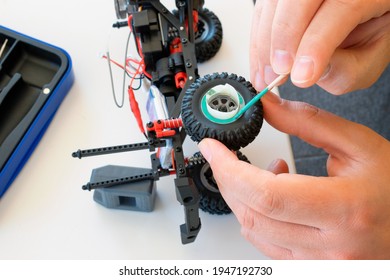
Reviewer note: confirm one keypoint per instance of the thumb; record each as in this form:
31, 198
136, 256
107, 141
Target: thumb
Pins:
361, 59
228, 170
356, 68
337, 136
214, 151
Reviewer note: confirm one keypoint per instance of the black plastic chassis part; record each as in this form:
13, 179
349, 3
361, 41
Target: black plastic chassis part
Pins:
186, 191
151, 145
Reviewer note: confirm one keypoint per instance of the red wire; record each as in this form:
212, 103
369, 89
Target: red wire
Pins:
138, 42
139, 71
121, 66
133, 102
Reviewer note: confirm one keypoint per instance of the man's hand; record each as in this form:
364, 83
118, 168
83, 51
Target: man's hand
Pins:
342, 45
291, 216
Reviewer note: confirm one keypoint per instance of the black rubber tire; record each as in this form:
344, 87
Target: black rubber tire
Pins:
211, 200
208, 39
234, 135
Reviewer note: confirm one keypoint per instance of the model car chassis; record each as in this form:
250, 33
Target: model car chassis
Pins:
170, 45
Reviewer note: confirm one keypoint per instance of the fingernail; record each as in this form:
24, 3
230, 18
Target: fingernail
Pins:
278, 166
282, 62
205, 149
303, 70
273, 165
259, 82
269, 74
326, 73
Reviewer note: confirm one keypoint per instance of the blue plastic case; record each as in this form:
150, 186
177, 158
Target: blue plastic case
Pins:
34, 79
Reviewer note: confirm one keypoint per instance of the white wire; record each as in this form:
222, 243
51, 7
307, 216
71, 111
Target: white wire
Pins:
122, 101
3, 47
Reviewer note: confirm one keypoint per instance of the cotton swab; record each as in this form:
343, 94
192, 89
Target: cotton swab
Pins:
273, 84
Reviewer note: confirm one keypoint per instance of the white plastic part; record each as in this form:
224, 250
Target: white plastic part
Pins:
155, 105
220, 91
157, 110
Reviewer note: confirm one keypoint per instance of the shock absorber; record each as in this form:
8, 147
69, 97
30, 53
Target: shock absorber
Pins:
164, 128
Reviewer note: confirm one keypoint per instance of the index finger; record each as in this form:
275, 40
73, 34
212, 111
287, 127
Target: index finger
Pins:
289, 24
260, 47
329, 26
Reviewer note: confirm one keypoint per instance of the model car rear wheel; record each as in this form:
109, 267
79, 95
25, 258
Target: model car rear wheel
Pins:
209, 34
211, 200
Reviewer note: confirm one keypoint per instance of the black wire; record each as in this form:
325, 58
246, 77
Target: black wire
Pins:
140, 77
112, 83
125, 64
140, 84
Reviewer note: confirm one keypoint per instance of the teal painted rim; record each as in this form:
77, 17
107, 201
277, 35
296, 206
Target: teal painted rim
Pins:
206, 113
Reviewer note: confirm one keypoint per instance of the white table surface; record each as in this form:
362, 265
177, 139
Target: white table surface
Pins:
45, 214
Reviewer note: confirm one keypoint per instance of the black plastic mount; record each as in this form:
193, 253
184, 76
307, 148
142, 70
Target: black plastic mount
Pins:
154, 174
134, 196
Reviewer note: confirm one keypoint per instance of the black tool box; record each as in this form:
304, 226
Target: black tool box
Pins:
34, 79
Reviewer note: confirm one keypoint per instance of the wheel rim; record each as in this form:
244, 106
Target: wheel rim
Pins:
207, 178
121, 8
203, 30
221, 104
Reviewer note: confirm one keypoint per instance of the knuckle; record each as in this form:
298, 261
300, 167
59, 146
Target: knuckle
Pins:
353, 6
307, 110
339, 83
287, 34
248, 220
269, 202
363, 220
360, 216
310, 111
